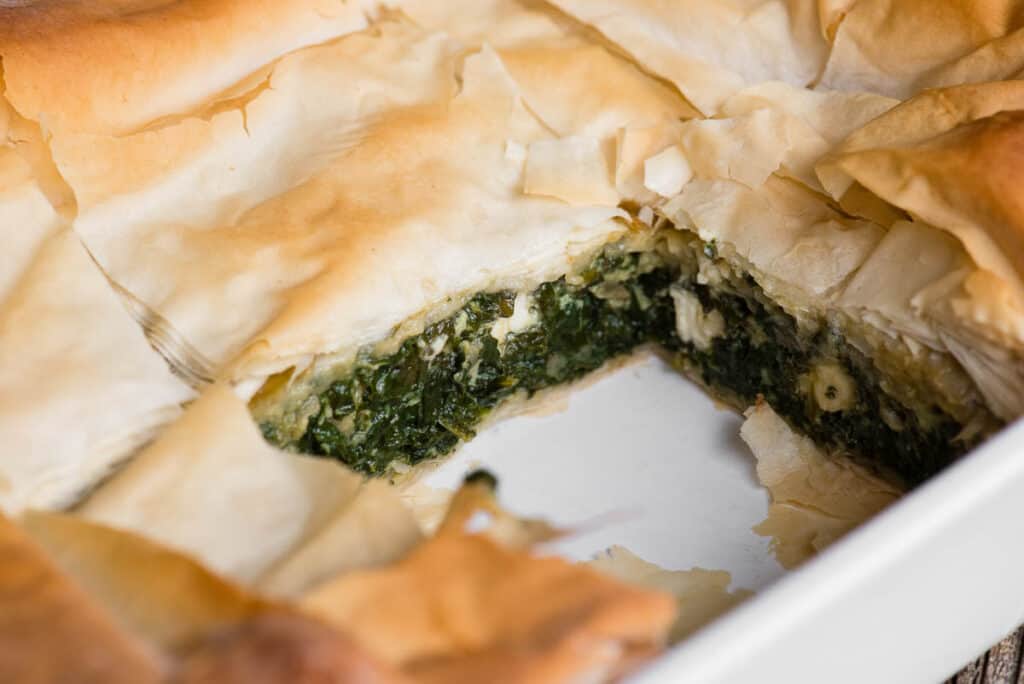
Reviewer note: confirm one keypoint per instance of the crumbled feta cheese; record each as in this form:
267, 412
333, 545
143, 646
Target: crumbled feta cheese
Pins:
429, 350
692, 323
461, 321
711, 271
523, 317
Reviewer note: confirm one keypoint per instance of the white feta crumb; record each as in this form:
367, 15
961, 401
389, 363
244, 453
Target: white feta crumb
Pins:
523, 317
692, 323
431, 349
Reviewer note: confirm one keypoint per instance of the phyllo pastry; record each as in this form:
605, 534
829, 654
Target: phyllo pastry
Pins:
474, 602
377, 237
387, 204
258, 251
80, 388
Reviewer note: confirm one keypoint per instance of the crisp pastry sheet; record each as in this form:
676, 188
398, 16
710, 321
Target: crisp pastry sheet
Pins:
502, 608
572, 82
505, 610
28, 217
960, 153
948, 158
811, 122
815, 498
212, 487
712, 50
163, 597
803, 249
195, 625
113, 67
205, 255
80, 388
701, 595
900, 47
892, 297
312, 239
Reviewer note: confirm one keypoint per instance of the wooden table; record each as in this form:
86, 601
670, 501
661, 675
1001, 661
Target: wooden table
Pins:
1001, 665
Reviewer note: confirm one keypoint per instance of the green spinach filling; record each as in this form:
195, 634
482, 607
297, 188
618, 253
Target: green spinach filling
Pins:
764, 353
429, 395
422, 400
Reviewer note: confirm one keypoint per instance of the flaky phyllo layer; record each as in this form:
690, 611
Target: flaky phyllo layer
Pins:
379, 221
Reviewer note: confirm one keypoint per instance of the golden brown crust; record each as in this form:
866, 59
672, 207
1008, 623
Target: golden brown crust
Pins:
158, 594
278, 647
897, 47
975, 173
97, 66
461, 607
463, 601
314, 242
115, 389
711, 50
206, 628
51, 631
952, 158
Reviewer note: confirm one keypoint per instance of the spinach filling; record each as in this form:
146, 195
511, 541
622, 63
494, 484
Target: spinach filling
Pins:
422, 400
429, 395
764, 353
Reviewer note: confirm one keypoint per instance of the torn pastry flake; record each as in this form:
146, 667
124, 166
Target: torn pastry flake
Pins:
711, 50
701, 595
503, 610
815, 498
900, 48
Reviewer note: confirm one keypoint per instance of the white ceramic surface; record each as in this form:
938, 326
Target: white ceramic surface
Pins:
909, 597
643, 459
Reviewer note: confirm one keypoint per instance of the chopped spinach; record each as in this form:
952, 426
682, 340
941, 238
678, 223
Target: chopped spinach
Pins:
424, 399
763, 353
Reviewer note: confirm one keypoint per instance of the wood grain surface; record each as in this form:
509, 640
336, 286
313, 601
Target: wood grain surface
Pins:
1001, 665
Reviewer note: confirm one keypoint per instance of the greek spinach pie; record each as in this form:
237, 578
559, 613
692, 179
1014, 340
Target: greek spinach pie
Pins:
264, 258
379, 223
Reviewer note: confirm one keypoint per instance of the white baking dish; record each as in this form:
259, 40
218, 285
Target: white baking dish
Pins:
909, 597
644, 459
